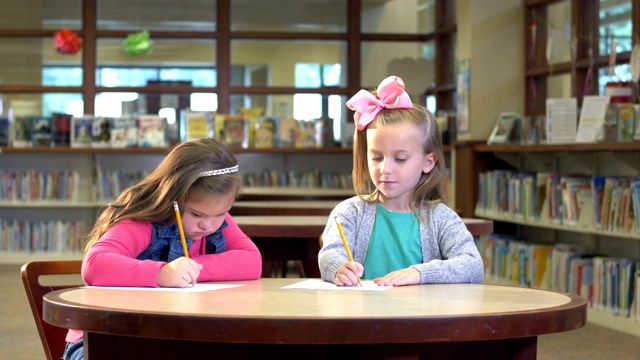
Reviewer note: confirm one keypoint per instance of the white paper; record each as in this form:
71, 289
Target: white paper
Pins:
317, 284
194, 288
592, 115
561, 120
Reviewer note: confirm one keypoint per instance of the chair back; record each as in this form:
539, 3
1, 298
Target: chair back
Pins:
52, 337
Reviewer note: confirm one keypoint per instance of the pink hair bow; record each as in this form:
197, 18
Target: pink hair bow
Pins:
391, 95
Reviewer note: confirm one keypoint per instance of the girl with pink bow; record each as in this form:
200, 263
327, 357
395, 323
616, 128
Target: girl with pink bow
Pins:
398, 228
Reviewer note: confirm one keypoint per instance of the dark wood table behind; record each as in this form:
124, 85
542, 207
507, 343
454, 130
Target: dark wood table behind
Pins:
283, 238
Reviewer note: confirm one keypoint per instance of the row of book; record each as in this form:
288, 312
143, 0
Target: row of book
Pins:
237, 131
251, 129
313, 178
610, 284
620, 124
109, 184
32, 185
35, 185
41, 236
85, 131
606, 203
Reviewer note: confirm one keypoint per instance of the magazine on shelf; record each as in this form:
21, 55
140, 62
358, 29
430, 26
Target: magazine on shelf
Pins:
234, 130
287, 131
266, 131
40, 127
561, 120
5, 129
592, 119
626, 122
124, 132
61, 127
101, 132
81, 130
196, 124
152, 131
503, 129
253, 116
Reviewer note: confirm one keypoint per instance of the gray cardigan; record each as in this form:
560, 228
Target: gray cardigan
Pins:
449, 254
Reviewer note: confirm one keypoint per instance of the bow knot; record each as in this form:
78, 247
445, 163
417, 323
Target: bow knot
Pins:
391, 95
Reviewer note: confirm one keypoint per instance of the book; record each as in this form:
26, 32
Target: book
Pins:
124, 132
306, 135
265, 134
101, 132
196, 124
21, 132
561, 120
234, 130
40, 128
61, 127
151, 131
324, 132
4, 131
609, 130
253, 115
348, 132
626, 122
636, 133
503, 129
287, 131
81, 130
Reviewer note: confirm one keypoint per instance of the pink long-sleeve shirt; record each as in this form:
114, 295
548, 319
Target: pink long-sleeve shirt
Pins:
112, 260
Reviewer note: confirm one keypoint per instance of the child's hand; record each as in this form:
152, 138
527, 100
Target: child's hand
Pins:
408, 276
347, 274
181, 273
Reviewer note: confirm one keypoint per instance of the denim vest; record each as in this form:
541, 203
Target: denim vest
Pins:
166, 245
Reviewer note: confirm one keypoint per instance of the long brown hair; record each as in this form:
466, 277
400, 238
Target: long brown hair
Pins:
430, 187
175, 179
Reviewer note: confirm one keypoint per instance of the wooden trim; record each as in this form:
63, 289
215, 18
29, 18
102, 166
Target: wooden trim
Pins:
514, 148
152, 150
89, 55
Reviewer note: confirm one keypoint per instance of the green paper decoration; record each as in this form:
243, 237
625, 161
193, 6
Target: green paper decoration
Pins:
137, 43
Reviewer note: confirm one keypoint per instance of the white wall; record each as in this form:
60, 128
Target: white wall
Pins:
490, 33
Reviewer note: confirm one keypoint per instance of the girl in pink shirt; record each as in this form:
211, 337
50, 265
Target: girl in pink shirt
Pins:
136, 240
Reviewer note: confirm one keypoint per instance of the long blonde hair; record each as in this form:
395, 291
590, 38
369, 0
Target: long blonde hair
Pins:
430, 187
175, 179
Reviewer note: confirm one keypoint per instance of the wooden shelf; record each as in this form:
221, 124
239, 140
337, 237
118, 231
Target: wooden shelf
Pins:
52, 204
515, 220
69, 150
149, 150
18, 258
516, 148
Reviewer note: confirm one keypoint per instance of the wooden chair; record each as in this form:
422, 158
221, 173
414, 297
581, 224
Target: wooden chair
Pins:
52, 337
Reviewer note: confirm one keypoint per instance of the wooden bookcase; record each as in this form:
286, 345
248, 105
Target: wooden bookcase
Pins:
86, 160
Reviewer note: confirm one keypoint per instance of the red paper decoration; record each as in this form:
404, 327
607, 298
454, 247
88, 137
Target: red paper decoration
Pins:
67, 42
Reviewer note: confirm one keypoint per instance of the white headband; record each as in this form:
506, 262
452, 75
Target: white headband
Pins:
228, 170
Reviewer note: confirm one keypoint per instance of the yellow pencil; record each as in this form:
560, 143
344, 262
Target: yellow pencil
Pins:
346, 244
184, 240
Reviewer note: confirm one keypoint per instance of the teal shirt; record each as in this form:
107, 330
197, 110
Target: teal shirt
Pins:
394, 244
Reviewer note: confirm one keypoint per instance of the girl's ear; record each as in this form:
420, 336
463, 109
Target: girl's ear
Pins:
429, 162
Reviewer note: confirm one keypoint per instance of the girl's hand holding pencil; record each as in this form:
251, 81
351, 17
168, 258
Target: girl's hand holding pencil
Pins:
181, 272
347, 272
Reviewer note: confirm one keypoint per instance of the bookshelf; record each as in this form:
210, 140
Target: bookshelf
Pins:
85, 161
599, 159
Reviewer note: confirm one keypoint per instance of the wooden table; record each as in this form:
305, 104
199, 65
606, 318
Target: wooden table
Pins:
292, 193
260, 320
283, 207
297, 237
